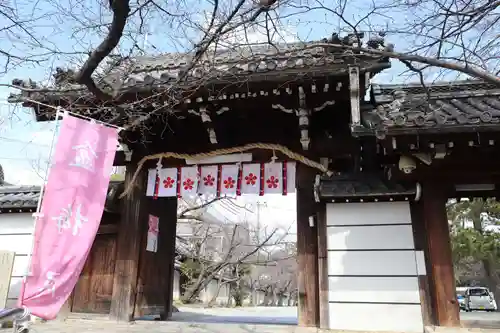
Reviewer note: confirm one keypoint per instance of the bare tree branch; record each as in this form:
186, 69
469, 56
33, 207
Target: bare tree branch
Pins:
120, 10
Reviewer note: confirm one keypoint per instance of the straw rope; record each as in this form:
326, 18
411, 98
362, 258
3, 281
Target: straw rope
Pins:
266, 146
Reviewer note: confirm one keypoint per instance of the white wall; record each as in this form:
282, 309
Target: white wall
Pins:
372, 268
176, 290
16, 231
210, 291
206, 294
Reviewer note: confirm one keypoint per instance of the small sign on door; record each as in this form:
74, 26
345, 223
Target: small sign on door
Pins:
153, 230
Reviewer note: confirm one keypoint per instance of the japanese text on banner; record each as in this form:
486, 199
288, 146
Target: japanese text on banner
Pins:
70, 214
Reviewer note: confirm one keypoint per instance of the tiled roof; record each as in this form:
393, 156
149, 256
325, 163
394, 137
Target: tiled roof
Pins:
254, 62
17, 198
446, 105
25, 198
262, 60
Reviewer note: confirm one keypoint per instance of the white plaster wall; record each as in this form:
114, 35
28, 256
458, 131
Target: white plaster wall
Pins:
206, 294
210, 291
16, 234
372, 268
176, 290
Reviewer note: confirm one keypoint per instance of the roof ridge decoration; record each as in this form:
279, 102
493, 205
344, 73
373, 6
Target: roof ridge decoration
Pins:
263, 61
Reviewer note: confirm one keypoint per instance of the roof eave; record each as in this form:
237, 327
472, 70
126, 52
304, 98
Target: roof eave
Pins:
32, 99
360, 131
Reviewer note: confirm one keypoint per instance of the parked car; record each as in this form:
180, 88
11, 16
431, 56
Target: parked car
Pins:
461, 301
479, 298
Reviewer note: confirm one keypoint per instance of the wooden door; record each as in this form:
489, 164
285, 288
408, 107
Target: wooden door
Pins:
93, 292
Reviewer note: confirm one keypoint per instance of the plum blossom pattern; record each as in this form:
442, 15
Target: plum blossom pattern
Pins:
251, 179
229, 182
188, 184
209, 180
272, 182
168, 183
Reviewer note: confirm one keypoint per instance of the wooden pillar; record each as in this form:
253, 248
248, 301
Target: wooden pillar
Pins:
155, 278
442, 280
421, 246
307, 248
167, 237
324, 316
128, 248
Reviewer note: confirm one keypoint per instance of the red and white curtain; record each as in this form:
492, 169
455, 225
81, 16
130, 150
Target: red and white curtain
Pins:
222, 180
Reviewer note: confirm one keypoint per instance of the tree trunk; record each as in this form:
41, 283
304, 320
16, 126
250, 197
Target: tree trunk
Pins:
492, 278
281, 297
269, 296
220, 284
193, 290
229, 295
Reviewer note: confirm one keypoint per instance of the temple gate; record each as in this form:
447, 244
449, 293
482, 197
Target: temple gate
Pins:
372, 234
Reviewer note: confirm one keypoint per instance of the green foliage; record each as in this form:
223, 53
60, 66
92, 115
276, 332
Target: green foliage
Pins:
239, 288
479, 211
191, 269
244, 269
117, 177
471, 242
468, 242
239, 293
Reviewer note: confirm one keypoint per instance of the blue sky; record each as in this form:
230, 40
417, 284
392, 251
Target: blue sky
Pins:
58, 26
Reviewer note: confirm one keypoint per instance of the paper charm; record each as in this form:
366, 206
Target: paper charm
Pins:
168, 183
153, 230
273, 175
150, 190
208, 180
250, 180
229, 177
189, 181
290, 176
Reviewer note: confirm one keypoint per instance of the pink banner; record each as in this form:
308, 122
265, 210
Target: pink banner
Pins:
70, 214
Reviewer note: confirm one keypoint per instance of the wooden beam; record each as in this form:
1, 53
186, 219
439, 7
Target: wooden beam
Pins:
307, 248
442, 279
128, 248
355, 95
168, 238
207, 122
119, 158
106, 229
324, 316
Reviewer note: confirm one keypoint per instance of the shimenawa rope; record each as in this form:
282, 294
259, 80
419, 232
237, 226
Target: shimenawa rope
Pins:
266, 146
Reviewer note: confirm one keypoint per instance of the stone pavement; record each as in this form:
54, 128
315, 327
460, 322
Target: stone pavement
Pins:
229, 320
89, 326
105, 326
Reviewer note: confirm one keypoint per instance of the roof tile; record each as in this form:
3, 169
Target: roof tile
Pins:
462, 103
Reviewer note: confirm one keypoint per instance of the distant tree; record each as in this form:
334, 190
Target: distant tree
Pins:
474, 239
274, 273
220, 251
